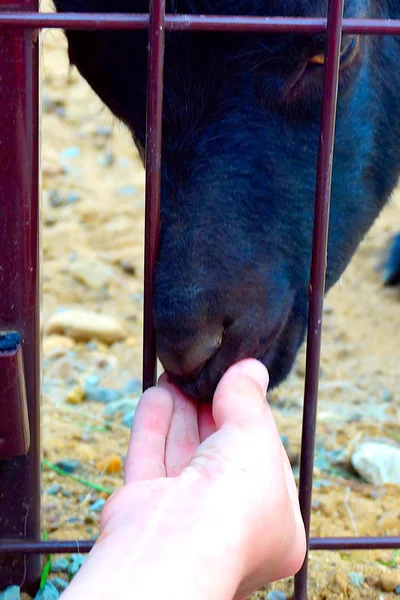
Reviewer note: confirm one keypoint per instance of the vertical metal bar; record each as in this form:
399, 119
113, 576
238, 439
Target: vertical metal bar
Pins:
318, 268
153, 180
19, 278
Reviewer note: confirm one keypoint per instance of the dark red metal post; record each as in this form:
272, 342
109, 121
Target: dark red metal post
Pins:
153, 181
318, 269
19, 289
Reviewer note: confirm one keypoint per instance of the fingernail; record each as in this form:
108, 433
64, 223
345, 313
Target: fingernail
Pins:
256, 370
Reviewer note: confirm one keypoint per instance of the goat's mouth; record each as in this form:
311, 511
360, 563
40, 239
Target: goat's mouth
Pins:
237, 343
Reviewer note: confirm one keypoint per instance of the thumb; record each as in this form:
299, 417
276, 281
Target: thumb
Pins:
240, 397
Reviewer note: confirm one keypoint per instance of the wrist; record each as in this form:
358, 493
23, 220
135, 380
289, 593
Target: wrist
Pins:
189, 548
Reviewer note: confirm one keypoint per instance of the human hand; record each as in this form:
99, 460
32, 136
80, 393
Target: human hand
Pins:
209, 508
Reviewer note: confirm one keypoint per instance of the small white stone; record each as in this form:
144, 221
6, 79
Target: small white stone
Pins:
55, 346
85, 325
377, 463
93, 274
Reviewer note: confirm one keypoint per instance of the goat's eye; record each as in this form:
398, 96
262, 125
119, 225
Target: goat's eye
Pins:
348, 52
318, 59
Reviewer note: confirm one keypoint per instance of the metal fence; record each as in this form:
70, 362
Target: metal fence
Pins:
20, 23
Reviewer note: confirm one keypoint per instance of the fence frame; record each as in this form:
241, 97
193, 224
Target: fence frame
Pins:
20, 23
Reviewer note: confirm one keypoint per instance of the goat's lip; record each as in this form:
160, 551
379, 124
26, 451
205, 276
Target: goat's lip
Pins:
195, 390
193, 375
192, 385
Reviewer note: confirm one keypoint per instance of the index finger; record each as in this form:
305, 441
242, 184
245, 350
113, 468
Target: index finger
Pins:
146, 453
183, 436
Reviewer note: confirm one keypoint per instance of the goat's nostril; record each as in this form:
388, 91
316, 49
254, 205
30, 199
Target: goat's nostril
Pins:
186, 358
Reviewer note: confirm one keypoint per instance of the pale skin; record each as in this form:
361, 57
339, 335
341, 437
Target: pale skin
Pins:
209, 509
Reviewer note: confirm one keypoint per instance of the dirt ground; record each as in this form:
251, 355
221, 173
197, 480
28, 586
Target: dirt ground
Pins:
93, 190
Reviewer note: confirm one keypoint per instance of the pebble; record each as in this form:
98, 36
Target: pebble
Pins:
51, 105
89, 520
72, 520
55, 346
54, 525
133, 386
276, 595
356, 579
377, 463
59, 583
128, 419
75, 563
112, 464
126, 190
321, 463
339, 585
97, 506
49, 592
321, 483
48, 104
87, 436
104, 130
92, 380
389, 581
127, 267
13, 592
72, 197
76, 395
371, 580
57, 198
54, 489
60, 111
387, 396
102, 394
84, 325
106, 159
72, 152
69, 465
124, 406
51, 164
94, 275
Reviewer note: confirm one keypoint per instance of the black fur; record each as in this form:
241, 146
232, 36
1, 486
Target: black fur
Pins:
240, 134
